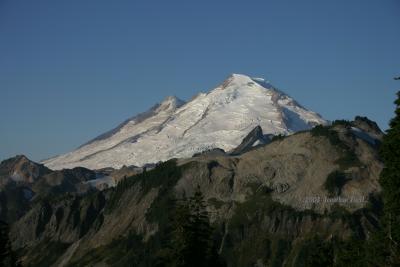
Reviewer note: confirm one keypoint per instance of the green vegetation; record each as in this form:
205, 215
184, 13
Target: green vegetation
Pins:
376, 249
345, 123
348, 159
348, 156
165, 174
260, 231
46, 253
253, 209
215, 202
85, 213
332, 135
164, 177
339, 212
315, 252
185, 239
354, 252
254, 235
390, 182
280, 252
334, 183
382, 247
247, 241
131, 250
7, 256
351, 253
190, 239
91, 213
370, 123
127, 250
13, 204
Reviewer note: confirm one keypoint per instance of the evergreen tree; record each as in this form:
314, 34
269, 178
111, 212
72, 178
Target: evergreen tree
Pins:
377, 249
7, 257
180, 235
390, 182
200, 231
190, 239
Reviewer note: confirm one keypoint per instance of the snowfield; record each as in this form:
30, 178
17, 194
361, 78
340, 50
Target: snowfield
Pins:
175, 129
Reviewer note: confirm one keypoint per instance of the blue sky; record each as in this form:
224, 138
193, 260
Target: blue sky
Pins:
70, 70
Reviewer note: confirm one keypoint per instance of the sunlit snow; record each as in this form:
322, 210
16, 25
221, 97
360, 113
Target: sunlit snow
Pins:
218, 119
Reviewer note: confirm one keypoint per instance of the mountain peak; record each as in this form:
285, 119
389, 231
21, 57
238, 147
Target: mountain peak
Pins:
22, 169
245, 81
172, 100
236, 79
240, 76
18, 159
220, 118
21, 158
170, 103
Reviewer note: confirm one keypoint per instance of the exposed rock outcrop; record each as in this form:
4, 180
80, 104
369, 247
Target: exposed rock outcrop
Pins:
254, 138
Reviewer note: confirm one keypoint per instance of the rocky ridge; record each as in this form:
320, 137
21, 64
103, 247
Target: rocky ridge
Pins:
271, 198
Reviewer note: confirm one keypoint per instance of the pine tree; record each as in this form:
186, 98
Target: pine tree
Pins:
181, 234
176, 244
7, 257
190, 238
390, 182
201, 242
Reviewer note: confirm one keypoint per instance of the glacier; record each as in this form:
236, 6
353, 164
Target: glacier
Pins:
173, 128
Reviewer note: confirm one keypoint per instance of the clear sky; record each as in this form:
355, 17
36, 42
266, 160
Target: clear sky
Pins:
70, 70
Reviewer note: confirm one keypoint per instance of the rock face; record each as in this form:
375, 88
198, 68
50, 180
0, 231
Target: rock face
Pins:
20, 169
22, 181
254, 138
368, 126
269, 199
220, 118
295, 169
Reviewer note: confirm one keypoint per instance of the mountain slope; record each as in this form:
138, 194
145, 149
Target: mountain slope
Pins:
265, 205
172, 129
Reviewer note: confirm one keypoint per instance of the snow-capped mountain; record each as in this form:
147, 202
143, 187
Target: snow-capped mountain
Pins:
220, 118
